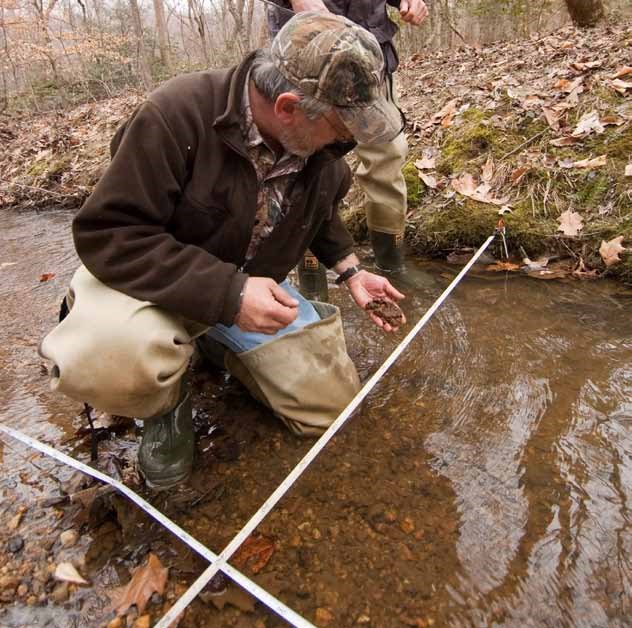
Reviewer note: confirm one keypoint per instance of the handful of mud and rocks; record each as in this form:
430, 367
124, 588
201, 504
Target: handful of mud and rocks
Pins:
388, 311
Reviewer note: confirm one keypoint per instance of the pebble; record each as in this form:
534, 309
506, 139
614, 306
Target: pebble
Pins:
31, 600
15, 544
68, 538
407, 525
9, 582
15, 521
323, 616
363, 619
60, 593
23, 589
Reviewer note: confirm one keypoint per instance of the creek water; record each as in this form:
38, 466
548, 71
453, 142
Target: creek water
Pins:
485, 481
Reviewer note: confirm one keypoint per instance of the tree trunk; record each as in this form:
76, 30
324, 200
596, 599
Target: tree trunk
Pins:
143, 66
585, 12
161, 27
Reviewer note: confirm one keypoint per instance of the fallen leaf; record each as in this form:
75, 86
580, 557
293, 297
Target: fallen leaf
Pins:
621, 86
533, 265
628, 170
503, 267
428, 180
569, 87
488, 170
565, 141
609, 251
621, 72
46, 277
425, 163
596, 162
465, 184
552, 118
66, 572
255, 551
146, 580
612, 120
589, 123
446, 114
578, 66
518, 174
571, 223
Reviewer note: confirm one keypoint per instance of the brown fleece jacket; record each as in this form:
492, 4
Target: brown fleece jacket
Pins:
171, 218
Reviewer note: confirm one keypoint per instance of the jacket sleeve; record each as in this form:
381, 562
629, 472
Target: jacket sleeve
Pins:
121, 233
332, 241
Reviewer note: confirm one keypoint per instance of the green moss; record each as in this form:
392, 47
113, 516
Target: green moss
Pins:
49, 168
592, 189
414, 185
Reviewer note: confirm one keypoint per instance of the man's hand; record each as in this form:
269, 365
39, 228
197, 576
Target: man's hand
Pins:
413, 11
308, 5
265, 307
365, 287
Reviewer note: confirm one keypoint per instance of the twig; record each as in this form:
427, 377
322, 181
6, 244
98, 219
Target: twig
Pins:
518, 148
32, 187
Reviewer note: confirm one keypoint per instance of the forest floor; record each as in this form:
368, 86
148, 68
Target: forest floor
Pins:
539, 131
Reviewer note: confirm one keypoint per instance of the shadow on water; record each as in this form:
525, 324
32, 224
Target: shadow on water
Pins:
485, 480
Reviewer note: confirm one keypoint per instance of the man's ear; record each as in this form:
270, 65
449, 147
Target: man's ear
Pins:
286, 107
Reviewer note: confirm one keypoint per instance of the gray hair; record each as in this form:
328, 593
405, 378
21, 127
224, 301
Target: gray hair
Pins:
271, 83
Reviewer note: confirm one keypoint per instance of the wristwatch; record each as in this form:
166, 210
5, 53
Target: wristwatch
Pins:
346, 274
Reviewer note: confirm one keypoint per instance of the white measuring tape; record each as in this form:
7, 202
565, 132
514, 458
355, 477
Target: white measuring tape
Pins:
270, 601
269, 504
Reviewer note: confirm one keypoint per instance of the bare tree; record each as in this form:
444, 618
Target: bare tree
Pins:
141, 54
161, 27
585, 12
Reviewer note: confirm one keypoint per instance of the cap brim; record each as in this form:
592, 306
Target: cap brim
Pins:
377, 123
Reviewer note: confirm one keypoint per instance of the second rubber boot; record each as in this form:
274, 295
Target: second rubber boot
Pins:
389, 250
312, 279
165, 456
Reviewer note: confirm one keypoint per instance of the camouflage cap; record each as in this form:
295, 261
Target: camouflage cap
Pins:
333, 60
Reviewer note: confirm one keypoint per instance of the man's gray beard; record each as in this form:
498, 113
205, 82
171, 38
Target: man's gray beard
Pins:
298, 144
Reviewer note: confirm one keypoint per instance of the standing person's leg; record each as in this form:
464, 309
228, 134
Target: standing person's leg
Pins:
303, 373
380, 176
128, 357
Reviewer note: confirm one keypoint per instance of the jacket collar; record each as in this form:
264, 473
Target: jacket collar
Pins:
228, 125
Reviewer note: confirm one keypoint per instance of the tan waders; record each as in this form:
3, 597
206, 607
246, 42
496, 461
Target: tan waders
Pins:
307, 377
128, 357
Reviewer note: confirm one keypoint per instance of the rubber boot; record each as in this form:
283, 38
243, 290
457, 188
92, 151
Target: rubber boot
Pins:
389, 250
312, 279
165, 456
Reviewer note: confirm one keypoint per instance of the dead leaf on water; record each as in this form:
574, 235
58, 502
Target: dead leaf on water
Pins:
46, 277
571, 223
146, 580
609, 251
503, 267
582, 272
255, 551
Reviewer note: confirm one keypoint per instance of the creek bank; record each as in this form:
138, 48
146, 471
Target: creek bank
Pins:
509, 117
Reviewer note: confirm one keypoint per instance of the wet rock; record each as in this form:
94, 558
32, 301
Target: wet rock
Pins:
9, 583
407, 525
15, 521
323, 616
15, 544
60, 593
68, 538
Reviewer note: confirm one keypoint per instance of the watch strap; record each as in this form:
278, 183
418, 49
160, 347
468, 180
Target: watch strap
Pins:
346, 274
